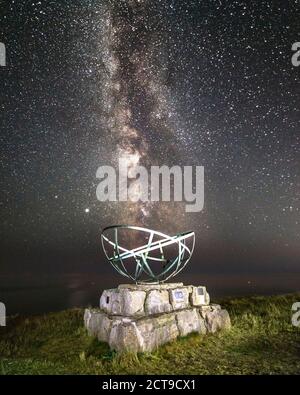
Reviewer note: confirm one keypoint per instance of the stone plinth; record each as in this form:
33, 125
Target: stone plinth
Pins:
142, 317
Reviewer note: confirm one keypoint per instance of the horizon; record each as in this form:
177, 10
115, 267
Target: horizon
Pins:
198, 83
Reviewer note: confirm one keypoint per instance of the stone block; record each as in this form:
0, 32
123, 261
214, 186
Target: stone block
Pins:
133, 303
199, 296
156, 331
143, 334
125, 336
111, 302
179, 298
189, 321
97, 324
203, 310
123, 302
142, 317
217, 319
158, 302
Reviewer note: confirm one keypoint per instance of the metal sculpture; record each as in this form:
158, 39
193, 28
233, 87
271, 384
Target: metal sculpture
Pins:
143, 257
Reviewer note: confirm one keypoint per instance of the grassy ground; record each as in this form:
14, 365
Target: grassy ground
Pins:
261, 341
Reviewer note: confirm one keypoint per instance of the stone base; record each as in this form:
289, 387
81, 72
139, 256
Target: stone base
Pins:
142, 317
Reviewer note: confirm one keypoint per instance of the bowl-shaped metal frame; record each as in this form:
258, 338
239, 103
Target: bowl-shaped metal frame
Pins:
142, 255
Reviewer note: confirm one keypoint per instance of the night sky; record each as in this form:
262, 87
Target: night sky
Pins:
203, 83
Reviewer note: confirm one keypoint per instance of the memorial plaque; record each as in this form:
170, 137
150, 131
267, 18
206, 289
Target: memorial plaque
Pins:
179, 295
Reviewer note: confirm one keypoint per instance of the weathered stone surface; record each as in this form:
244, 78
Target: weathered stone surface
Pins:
143, 335
111, 302
139, 319
123, 302
125, 336
203, 310
216, 320
157, 302
207, 298
199, 296
86, 318
179, 298
189, 321
104, 329
98, 324
215, 306
157, 331
203, 329
92, 320
133, 302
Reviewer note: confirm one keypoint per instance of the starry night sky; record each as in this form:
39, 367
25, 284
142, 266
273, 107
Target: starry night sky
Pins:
207, 83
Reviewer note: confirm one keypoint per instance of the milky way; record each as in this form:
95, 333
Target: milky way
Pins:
139, 104
202, 83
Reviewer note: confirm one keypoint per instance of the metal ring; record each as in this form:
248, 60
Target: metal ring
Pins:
142, 255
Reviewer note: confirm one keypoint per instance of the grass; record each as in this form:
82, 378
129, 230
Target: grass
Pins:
262, 341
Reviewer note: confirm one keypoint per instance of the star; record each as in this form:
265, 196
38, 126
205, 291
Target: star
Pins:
198, 83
